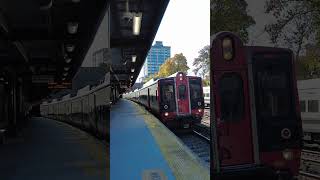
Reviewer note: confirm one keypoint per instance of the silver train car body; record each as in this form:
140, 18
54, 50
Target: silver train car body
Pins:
89, 109
309, 96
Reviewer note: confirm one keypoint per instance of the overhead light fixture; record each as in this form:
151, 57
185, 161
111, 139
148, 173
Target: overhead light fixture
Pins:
68, 60
136, 23
131, 77
134, 58
66, 68
63, 79
65, 74
132, 70
75, 1
72, 27
70, 47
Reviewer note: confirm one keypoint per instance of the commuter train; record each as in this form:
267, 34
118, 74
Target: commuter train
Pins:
256, 124
88, 109
309, 94
177, 100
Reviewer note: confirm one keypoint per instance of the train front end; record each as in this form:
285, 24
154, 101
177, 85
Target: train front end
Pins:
181, 100
255, 125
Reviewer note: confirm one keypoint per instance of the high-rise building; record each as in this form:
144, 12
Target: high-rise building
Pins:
156, 57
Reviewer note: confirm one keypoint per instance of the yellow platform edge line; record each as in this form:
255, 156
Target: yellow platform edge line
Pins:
183, 163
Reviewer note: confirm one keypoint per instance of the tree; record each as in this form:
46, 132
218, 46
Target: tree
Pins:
202, 62
309, 66
230, 15
172, 65
296, 22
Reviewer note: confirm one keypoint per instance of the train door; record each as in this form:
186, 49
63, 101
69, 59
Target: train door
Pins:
231, 121
182, 91
275, 100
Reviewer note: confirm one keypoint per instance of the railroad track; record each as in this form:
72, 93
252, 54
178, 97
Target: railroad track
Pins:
198, 143
310, 165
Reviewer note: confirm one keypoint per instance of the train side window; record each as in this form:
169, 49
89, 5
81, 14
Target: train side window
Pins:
182, 92
231, 97
303, 106
313, 106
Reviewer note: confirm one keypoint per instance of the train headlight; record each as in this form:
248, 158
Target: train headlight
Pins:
166, 114
287, 155
200, 110
165, 106
285, 133
227, 48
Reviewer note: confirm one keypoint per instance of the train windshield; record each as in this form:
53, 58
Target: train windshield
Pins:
273, 89
196, 95
167, 93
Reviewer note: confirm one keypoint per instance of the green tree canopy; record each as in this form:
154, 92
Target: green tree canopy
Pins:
230, 15
172, 65
296, 22
308, 66
202, 62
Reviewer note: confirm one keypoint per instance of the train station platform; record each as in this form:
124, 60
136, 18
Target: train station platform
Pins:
53, 150
141, 147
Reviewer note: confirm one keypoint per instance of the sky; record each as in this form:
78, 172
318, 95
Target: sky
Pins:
257, 36
185, 27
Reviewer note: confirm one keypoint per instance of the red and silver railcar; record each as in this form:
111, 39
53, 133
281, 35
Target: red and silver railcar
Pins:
256, 123
177, 100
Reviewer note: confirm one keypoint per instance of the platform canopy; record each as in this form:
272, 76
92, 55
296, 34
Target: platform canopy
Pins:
47, 39
129, 48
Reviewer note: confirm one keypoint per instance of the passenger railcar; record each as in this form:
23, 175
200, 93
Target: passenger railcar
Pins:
256, 123
309, 94
177, 100
88, 109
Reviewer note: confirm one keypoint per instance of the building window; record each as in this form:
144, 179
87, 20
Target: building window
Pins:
303, 106
313, 105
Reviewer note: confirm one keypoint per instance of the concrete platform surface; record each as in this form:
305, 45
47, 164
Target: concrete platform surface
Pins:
51, 150
142, 148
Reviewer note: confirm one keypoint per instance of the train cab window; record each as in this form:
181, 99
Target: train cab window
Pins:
195, 90
182, 92
313, 106
231, 97
303, 106
196, 94
273, 95
167, 93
